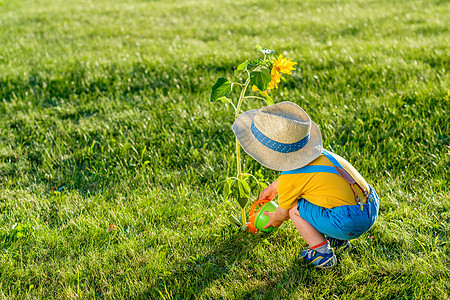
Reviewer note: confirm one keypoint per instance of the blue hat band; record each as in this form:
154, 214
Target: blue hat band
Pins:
277, 146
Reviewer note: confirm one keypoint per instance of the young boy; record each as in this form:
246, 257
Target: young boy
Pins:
328, 201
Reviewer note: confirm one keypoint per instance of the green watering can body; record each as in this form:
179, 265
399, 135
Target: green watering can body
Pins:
258, 219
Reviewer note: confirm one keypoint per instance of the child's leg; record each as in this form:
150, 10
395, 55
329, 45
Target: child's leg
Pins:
307, 231
322, 256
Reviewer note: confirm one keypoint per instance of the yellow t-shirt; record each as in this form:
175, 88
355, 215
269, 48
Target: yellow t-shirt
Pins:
323, 189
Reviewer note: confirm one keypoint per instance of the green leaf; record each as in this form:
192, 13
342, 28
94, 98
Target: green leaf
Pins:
261, 78
224, 100
227, 187
255, 61
264, 50
245, 192
241, 68
259, 48
240, 191
221, 88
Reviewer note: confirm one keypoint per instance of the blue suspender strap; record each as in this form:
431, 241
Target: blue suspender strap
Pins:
331, 158
312, 169
317, 168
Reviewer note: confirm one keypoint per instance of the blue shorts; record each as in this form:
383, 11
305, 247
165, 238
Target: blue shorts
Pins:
344, 222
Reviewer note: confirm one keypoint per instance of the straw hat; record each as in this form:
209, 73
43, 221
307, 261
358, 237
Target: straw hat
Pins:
280, 136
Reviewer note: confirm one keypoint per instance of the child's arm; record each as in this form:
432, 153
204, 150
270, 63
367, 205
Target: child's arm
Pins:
280, 215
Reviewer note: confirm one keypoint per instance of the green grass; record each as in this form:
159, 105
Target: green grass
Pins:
109, 100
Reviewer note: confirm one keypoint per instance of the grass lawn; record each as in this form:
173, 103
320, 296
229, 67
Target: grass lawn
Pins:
111, 153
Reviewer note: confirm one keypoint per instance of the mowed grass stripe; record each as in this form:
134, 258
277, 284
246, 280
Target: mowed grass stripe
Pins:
109, 102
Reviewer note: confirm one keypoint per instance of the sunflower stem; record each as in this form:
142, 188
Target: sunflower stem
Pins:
238, 146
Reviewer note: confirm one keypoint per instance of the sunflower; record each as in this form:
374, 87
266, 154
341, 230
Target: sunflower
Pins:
283, 65
280, 65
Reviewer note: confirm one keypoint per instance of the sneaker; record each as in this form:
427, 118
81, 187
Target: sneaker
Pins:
317, 259
340, 245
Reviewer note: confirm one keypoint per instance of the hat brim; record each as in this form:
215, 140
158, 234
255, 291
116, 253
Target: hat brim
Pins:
270, 158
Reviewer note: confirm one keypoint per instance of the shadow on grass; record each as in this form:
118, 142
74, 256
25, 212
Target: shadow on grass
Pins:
197, 274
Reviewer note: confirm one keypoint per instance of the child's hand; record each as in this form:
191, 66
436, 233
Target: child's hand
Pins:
273, 221
277, 218
269, 192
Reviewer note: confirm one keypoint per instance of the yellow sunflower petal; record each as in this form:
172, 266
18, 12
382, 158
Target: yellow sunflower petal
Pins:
275, 78
272, 85
284, 65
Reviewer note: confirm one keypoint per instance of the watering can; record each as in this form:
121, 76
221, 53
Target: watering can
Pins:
258, 219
